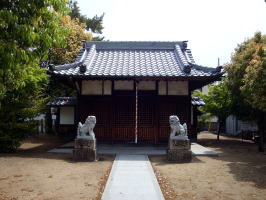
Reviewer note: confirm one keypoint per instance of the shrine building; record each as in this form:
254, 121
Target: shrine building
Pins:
132, 88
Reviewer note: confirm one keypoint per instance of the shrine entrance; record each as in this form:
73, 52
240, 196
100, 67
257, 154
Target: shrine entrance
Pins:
116, 116
124, 126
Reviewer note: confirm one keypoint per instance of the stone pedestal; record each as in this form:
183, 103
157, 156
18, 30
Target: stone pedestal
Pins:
85, 143
179, 144
179, 150
85, 150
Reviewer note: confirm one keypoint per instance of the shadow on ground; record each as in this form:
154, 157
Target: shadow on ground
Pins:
242, 157
37, 147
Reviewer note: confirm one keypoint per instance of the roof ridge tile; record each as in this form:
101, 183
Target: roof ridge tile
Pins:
156, 59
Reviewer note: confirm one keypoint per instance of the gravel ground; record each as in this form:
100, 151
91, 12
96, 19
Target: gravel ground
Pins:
32, 173
238, 173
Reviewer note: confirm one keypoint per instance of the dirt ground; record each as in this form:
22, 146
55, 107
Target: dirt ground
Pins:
238, 173
32, 173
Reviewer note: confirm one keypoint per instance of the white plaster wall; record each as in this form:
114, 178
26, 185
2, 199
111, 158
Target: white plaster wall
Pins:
124, 85
147, 85
162, 88
67, 115
92, 87
177, 87
107, 88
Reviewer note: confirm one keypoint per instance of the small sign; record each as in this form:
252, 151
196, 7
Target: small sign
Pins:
53, 116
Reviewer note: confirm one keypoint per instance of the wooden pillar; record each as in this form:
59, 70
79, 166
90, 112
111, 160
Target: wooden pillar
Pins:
136, 112
156, 113
112, 113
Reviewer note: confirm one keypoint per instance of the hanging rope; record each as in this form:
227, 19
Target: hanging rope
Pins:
136, 119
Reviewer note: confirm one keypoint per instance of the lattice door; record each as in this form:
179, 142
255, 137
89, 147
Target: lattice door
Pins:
123, 123
146, 119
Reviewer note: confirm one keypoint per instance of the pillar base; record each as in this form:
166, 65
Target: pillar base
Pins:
85, 155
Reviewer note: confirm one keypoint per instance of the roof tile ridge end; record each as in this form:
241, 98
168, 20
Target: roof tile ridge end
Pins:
89, 55
68, 65
190, 58
185, 65
216, 70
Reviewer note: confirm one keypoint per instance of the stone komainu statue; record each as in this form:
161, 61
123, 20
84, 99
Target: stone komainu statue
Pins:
87, 127
85, 148
176, 128
179, 149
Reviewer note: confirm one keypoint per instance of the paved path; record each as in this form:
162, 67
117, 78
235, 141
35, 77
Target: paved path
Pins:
132, 178
199, 150
108, 149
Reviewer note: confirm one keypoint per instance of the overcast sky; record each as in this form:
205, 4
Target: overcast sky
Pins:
212, 27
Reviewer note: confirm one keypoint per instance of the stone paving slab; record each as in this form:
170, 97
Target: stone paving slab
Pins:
65, 151
69, 144
132, 178
108, 149
199, 150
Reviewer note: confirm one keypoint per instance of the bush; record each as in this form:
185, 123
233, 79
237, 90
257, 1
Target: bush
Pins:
8, 144
12, 133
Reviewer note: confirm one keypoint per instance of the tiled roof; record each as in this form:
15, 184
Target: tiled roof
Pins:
72, 101
196, 101
134, 59
63, 101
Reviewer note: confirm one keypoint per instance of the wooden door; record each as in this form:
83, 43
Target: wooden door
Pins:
146, 119
123, 119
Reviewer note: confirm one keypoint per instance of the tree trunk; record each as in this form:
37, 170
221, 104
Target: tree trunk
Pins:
221, 126
219, 130
261, 126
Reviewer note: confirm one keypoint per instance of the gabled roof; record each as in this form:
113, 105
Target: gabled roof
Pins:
72, 101
134, 59
63, 101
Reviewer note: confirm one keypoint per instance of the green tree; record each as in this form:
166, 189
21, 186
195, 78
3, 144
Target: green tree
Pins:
92, 24
28, 29
80, 28
67, 54
247, 82
77, 33
74, 41
217, 103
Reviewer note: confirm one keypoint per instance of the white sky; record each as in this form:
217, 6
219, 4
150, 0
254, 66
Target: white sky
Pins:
212, 27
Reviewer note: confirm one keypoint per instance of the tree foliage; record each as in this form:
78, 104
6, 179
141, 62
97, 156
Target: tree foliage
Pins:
92, 24
80, 28
28, 29
74, 41
217, 103
247, 82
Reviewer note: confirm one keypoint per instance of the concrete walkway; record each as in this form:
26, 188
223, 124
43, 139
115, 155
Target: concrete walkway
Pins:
132, 178
199, 150
133, 149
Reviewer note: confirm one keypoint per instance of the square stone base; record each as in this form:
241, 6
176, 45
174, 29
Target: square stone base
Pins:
176, 155
179, 144
81, 143
85, 155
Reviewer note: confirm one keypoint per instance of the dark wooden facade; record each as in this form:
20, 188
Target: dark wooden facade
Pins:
116, 115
